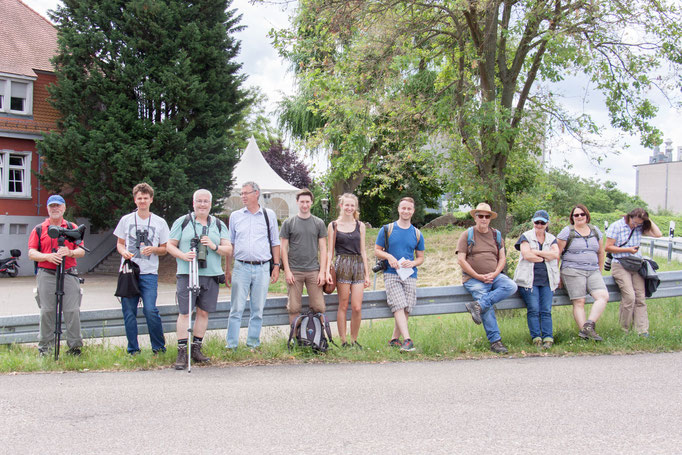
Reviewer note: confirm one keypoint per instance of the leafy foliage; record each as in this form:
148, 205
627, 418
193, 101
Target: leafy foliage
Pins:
148, 91
474, 80
287, 165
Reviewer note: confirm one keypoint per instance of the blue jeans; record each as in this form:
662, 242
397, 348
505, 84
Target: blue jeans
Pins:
148, 290
487, 295
247, 280
539, 310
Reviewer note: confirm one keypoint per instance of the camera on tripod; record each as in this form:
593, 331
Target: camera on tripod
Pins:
72, 235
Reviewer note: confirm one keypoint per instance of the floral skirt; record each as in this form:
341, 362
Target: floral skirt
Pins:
349, 269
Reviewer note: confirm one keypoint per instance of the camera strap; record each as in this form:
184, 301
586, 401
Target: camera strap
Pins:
194, 224
149, 223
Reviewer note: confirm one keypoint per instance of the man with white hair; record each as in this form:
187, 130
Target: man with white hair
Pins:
213, 236
255, 241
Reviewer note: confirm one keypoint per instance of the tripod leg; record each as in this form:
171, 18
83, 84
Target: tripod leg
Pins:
59, 296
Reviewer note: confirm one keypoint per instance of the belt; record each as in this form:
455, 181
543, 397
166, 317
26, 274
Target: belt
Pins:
254, 262
54, 272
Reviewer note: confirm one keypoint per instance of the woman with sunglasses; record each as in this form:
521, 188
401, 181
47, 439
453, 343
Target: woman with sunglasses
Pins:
582, 260
622, 240
537, 276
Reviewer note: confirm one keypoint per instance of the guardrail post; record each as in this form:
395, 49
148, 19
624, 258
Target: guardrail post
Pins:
652, 244
670, 249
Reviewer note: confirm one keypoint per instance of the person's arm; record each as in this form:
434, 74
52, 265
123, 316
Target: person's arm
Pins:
655, 231
330, 251
363, 253
275, 257
284, 250
322, 275
122, 250
601, 254
173, 250
75, 253
466, 267
612, 248
228, 264
529, 254
381, 253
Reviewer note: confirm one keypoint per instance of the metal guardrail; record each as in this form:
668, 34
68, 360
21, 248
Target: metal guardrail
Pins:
663, 246
431, 300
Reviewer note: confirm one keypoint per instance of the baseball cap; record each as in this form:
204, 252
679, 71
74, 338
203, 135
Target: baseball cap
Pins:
55, 199
541, 215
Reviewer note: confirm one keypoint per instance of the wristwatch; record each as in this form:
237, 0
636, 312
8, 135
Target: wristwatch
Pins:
279, 264
216, 247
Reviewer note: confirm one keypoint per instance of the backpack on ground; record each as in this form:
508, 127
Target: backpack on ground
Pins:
471, 242
309, 330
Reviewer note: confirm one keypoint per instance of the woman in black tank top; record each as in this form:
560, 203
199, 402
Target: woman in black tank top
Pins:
346, 236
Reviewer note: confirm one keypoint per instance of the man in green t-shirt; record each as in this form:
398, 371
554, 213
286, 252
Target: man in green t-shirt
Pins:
303, 237
216, 237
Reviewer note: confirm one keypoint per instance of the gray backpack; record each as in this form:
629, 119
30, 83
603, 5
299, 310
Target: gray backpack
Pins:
309, 330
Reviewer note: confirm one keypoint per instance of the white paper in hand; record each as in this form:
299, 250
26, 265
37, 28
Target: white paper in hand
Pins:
404, 273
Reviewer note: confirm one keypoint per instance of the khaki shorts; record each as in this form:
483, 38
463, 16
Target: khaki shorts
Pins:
581, 283
295, 292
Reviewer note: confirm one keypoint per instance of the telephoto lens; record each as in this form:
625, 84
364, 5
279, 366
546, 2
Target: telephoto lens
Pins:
202, 250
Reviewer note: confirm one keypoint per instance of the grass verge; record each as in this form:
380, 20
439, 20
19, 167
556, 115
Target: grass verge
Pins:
450, 337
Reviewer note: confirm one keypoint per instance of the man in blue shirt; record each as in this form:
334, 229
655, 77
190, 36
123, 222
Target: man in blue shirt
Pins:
255, 242
404, 240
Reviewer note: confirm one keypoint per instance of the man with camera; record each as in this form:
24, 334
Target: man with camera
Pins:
401, 245
303, 236
255, 239
46, 251
142, 238
210, 237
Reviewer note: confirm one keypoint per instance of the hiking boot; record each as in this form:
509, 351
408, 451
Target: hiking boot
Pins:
44, 352
345, 345
537, 342
395, 343
197, 355
498, 348
76, 352
588, 332
181, 361
475, 309
408, 346
547, 343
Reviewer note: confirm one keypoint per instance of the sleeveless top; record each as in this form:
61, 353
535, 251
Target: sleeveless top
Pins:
348, 242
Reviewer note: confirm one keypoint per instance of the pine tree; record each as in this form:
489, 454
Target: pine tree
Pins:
148, 90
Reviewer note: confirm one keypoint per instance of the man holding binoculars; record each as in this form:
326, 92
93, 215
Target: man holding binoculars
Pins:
142, 238
48, 253
210, 238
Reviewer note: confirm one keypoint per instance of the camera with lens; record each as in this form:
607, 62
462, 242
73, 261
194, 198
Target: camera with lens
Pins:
380, 266
607, 262
72, 235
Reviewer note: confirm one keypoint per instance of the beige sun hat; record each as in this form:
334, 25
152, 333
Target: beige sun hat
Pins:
483, 207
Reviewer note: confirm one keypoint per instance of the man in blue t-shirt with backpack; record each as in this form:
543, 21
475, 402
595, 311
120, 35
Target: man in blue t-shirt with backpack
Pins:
397, 244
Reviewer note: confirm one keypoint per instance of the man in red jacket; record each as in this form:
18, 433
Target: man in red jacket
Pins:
48, 254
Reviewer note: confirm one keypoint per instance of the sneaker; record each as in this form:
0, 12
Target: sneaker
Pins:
537, 341
588, 332
356, 345
408, 346
547, 343
181, 361
395, 343
345, 345
76, 352
475, 309
134, 353
197, 355
498, 348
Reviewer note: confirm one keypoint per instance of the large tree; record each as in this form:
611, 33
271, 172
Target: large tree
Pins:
148, 90
480, 79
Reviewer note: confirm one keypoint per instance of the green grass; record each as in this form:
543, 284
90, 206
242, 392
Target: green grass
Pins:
452, 336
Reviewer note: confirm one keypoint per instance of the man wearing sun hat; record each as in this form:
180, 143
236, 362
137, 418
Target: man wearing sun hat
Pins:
48, 254
481, 254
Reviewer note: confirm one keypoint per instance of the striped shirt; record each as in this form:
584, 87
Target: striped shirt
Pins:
620, 231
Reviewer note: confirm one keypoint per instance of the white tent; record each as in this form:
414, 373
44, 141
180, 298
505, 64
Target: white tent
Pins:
276, 194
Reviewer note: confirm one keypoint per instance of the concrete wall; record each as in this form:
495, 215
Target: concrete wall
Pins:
100, 243
658, 184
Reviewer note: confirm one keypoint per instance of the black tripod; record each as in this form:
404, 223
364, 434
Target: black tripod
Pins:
59, 295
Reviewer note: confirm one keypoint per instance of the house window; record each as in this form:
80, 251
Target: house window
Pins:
16, 97
2, 228
18, 229
15, 174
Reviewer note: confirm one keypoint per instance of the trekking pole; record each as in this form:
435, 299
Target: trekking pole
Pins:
193, 287
59, 299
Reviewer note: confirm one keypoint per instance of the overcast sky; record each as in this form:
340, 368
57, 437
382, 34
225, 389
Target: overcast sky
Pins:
266, 70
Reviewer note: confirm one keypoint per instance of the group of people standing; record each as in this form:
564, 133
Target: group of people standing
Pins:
312, 255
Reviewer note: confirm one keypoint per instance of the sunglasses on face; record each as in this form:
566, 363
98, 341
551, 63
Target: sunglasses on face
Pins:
578, 215
540, 222
486, 217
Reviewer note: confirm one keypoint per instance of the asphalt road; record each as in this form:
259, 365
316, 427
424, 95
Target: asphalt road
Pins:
573, 405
